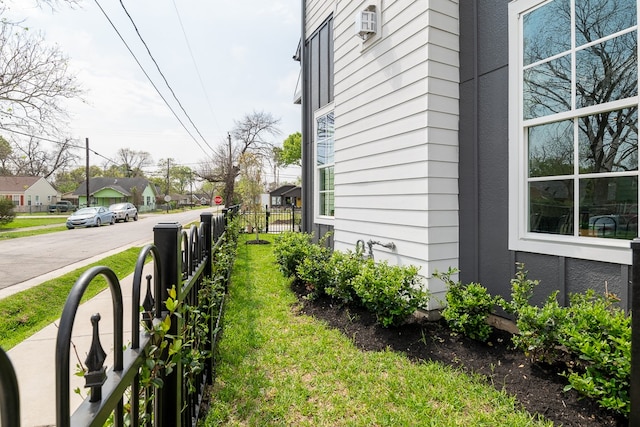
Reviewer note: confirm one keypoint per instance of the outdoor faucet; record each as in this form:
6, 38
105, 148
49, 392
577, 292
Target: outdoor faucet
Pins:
360, 246
370, 244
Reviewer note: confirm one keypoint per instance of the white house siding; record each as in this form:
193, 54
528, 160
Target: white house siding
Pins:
41, 193
396, 133
317, 12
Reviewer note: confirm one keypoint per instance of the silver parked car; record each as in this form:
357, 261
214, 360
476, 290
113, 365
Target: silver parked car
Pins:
91, 217
124, 211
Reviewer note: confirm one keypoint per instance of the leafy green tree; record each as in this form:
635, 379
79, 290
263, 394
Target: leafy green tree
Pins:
181, 179
291, 153
7, 214
250, 187
5, 154
69, 181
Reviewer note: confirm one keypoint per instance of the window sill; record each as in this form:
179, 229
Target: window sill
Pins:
588, 248
324, 220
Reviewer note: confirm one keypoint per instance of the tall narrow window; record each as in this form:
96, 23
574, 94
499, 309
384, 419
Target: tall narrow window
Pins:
324, 147
575, 131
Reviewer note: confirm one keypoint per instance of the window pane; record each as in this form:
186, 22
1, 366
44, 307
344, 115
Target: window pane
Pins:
551, 207
607, 71
547, 31
599, 18
324, 139
326, 178
609, 141
326, 204
609, 207
547, 88
551, 149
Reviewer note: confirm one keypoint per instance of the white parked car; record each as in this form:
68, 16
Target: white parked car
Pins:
124, 211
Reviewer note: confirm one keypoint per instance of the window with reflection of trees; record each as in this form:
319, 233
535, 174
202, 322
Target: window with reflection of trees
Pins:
580, 117
324, 163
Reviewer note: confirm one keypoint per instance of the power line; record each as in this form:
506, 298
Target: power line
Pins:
162, 74
195, 65
149, 78
60, 143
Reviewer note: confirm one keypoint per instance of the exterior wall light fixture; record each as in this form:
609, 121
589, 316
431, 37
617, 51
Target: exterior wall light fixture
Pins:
366, 23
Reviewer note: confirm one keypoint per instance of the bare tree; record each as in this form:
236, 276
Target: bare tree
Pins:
133, 161
34, 80
33, 158
249, 136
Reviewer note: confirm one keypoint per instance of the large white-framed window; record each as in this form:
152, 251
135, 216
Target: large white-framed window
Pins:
323, 145
573, 127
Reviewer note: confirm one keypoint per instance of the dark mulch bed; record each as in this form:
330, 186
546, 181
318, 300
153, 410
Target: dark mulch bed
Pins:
258, 242
538, 388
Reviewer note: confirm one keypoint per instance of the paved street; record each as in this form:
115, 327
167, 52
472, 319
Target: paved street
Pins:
27, 258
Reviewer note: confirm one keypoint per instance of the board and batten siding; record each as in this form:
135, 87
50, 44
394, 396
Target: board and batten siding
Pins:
396, 133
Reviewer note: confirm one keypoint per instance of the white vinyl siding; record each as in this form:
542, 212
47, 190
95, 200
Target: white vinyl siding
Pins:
317, 12
396, 136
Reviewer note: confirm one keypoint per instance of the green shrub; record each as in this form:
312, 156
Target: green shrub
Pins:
315, 269
468, 307
392, 293
7, 214
539, 327
344, 267
224, 254
540, 330
598, 333
290, 250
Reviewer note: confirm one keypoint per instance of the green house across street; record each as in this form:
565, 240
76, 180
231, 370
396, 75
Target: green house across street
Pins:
104, 191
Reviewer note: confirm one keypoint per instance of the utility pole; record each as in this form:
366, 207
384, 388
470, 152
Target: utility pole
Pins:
230, 175
167, 197
168, 167
87, 169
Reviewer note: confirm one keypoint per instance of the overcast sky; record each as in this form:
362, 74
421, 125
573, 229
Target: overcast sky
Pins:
222, 58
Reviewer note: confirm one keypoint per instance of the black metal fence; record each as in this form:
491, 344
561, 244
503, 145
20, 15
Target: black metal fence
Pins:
274, 220
181, 261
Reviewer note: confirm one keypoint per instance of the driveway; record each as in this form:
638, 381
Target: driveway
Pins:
27, 261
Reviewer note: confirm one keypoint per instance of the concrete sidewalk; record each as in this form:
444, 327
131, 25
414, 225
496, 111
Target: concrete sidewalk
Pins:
34, 358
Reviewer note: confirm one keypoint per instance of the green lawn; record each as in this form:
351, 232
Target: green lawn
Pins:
31, 221
25, 313
280, 368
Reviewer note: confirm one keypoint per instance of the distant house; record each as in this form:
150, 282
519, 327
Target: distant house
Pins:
201, 199
28, 193
286, 195
105, 191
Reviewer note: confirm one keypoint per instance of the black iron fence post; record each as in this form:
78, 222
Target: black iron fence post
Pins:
9, 393
293, 217
266, 218
225, 214
167, 238
207, 220
634, 415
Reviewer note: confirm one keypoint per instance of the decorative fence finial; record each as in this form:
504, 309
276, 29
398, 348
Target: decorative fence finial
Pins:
96, 371
148, 305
